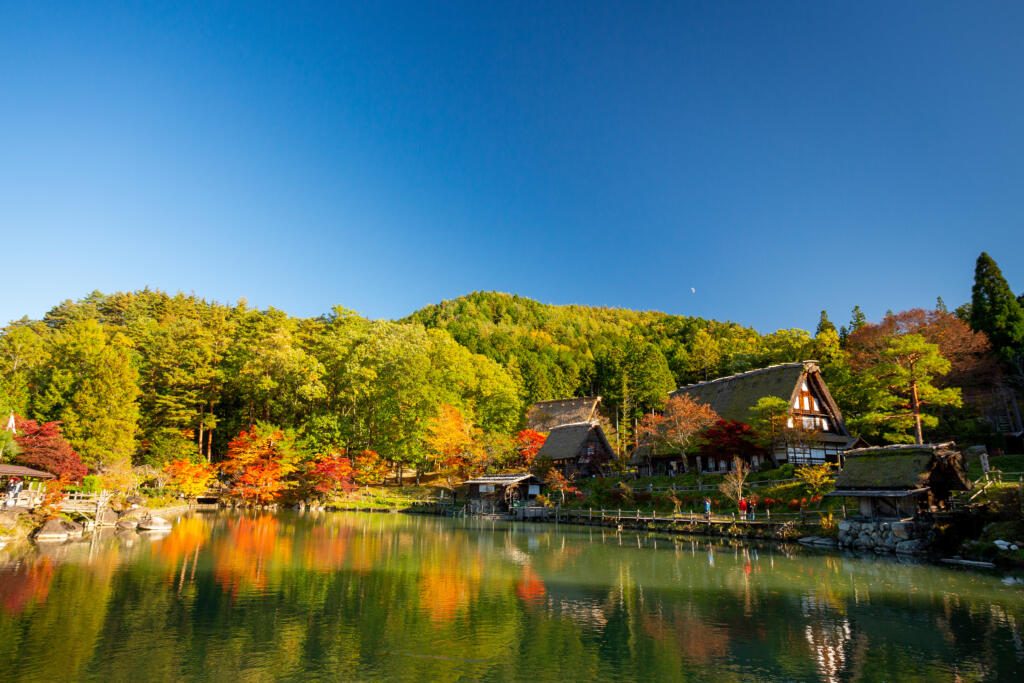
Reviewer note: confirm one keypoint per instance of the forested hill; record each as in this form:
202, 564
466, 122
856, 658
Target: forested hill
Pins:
150, 377
624, 355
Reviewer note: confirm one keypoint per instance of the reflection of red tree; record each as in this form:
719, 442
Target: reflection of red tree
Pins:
25, 584
697, 640
530, 587
246, 553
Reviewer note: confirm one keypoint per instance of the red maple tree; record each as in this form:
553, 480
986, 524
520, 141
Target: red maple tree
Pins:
43, 447
331, 474
528, 444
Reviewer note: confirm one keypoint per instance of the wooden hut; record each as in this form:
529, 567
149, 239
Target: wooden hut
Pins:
578, 450
498, 493
32, 491
899, 481
816, 432
546, 415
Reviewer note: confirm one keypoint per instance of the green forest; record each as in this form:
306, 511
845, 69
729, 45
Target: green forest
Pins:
149, 377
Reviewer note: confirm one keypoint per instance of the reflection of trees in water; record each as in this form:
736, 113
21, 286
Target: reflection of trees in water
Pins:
390, 596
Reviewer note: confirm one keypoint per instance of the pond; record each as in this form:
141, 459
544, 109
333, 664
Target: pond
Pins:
348, 596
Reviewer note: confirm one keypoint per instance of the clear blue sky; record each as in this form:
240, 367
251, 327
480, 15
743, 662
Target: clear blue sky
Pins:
780, 158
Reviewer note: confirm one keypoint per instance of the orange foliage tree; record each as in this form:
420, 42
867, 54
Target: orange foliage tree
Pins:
188, 478
259, 462
331, 474
454, 443
370, 468
561, 484
675, 429
528, 444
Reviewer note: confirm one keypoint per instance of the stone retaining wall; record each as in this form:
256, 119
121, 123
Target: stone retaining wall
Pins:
884, 536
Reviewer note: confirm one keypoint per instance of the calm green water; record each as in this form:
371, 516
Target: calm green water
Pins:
394, 597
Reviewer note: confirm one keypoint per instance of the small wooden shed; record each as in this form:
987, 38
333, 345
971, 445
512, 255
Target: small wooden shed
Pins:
899, 481
498, 493
30, 493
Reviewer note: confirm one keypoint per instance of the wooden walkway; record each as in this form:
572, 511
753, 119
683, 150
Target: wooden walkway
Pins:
635, 519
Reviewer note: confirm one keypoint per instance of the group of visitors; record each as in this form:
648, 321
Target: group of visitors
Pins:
748, 508
14, 486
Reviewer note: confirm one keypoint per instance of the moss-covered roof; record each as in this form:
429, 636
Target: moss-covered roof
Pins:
566, 441
734, 397
903, 467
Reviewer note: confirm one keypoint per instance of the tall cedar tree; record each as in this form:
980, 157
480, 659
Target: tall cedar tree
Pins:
995, 310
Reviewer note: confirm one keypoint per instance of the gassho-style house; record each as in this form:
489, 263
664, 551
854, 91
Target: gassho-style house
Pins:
812, 413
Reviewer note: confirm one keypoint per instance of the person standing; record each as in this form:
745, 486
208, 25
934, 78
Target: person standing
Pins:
743, 508
752, 509
707, 507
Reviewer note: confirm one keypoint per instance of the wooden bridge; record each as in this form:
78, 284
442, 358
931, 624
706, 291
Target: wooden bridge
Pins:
635, 519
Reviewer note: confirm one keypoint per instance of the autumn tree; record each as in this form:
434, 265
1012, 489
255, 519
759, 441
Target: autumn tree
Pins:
190, 479
675, 429
729, 438
528, 444
43, 447
816, 478
903, 386
452, 442
258, 463
560, 484
330, 475
370, 468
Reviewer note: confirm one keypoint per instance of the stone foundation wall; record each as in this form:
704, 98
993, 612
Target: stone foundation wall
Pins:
884, 536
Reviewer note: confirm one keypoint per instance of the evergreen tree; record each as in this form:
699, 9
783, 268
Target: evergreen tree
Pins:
902, 387
940, 305
857, 319
995, 310
824, 324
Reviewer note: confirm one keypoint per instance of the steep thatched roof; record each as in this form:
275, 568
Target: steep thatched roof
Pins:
903, 468
565, 441
546, 415
734, 396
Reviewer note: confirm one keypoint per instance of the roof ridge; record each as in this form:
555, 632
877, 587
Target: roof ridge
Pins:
746, 373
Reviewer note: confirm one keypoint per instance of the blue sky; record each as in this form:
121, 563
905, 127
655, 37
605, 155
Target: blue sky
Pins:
780, 158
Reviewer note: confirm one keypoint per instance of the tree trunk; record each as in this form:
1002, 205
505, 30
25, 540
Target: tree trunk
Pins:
916, 405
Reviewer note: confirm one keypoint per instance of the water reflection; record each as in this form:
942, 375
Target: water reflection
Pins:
397, 597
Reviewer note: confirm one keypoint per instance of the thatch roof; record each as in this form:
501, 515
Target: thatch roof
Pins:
503, 479
565, 441
903, 468
734, 396
20, 471
546, 415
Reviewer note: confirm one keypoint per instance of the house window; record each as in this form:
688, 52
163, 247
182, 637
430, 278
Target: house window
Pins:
824, 424
534, 489
808, 422
789, 423
796, 403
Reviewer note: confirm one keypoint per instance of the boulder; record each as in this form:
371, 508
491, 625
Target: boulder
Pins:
127, 524
135, 501
154, 524
903, 530
136, 514
57, 530
106, 517
909, 547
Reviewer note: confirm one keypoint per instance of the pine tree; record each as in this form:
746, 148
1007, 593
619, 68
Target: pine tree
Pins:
995, 310
940, 305
824, 324
857, 319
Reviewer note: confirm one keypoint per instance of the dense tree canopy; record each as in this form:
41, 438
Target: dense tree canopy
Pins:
153, 378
